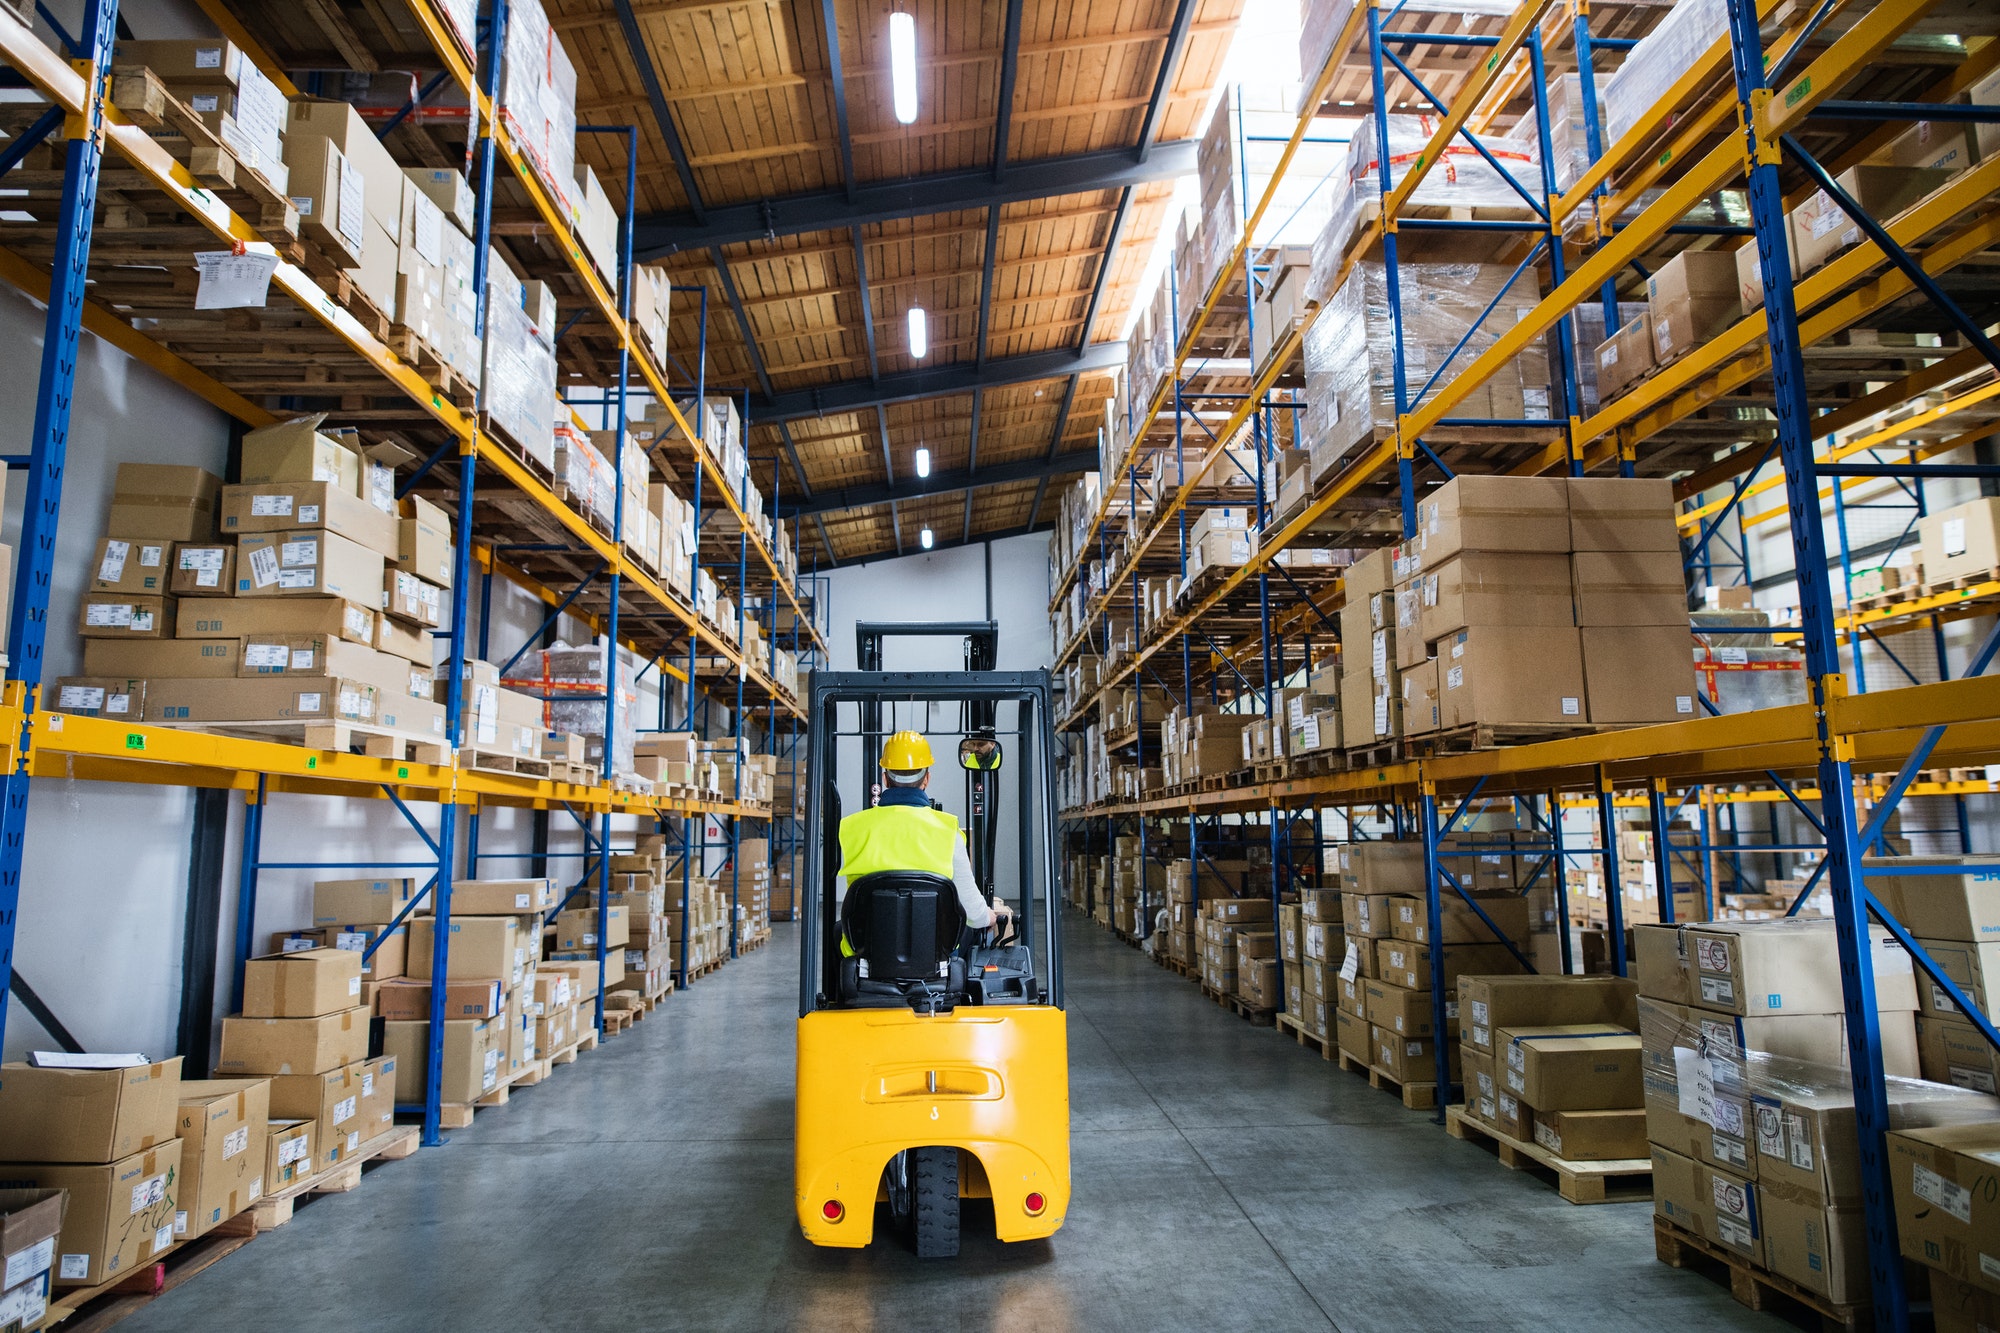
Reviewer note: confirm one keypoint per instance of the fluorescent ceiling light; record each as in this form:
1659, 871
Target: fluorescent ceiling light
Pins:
925, 538
903, 65
920, 333
923, 462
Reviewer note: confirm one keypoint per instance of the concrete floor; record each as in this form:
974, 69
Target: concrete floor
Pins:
1223, 1179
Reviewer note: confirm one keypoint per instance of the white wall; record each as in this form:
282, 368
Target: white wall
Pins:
947, 585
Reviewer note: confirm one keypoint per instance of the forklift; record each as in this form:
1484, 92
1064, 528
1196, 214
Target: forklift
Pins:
933, 1065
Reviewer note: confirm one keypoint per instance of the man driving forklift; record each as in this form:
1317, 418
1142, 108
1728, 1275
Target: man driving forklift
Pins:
902, 831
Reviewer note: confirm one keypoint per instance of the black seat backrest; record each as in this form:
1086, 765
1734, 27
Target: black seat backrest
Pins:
903, 923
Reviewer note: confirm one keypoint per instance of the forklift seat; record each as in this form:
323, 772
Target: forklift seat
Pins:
904, 928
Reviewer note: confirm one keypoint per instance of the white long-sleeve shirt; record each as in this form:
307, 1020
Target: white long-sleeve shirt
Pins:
977, 914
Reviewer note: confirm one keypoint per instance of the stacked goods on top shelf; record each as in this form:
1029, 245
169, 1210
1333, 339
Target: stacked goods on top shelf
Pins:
538, 98
520, 366
109, 1138
1956, 918
1244, 141
1555, 1061
225, 88
1748, 1104
567, 687
1961, 545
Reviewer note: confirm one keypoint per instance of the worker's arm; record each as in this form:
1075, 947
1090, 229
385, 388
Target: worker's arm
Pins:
977, 914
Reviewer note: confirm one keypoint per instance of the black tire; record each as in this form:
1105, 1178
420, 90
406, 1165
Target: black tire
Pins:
934, 1202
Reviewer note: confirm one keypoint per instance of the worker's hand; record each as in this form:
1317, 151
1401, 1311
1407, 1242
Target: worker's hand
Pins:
1003, 921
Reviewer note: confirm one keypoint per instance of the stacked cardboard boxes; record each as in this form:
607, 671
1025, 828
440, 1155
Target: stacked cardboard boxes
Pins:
1555, 1060
110, 1138
1956, 918
30, 1222
1217, 928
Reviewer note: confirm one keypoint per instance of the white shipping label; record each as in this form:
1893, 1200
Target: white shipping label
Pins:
521, 901
1718, 990
24, 1264
208, 57
270, 506
163, 1238
353, 704
81, 696
1711, 955
256, 1188
1973, 1080
303, 658
367, 1083
355, 941
1663, 332
343, 1110
428, 228
1607, 356
1350, 966
265, 656
1683, 703
112, 567
1454, 678
303, 553
291, 1150
148, 1192
1991, 1268
235, 1141
263, 566
75, 1267
1733, 1232
309, 704
142, 621
1800, 1143
1933, 1188
354, 989
1728, 1117
118, 704
1697, 1085
1733, 656
151, 557
359, 622
350, 218
1954, 536
353, 1139
1571, 707
1826, 218
297, 578
116, 615
308, 513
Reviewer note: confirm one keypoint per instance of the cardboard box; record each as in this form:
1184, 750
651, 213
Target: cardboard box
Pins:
1489, 1003
1805, 1140
1690, 299
1789, 966
234, 618
1458, 922
424, 546
114, 615
119, 1215
203, 569
100, 696
332, 1101
131, 659
1960, 1307
1629, 588
1963, 907
411, 643
307, 562
481, 947
1625, 357
87, 1115
288, 1153
1716, 1205
362, 902
1975, 968
1571, 1066
387, 961
1617, 1134
328, 192
1622, 514
1370, 870
404, 1000
1638, 673
267, 699
1495, 588
410, 598
30, 1222
1952, 1051
1492, 513
474, 1052
1507, 675
292, 505
1821, 229
223, 1127
293, 1045
1963, 541
160, 501
1940, 145
296, 450
1409, 965
1947, 1214
502, 897
123, 566
1660, 962
1406, 1013
306, 983
1750, 269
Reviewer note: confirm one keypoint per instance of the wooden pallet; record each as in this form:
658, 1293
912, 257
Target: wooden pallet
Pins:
1482, 736
1311, 1040
458, 1115
143, 97
88, 1308
1622, 1180
1416, 1096
275, 1208
493, 761
431, 364
1275, 772
1380, 755
1963, 583
752, 945
616, 1021
1753, 1287
402, 747
535, 1071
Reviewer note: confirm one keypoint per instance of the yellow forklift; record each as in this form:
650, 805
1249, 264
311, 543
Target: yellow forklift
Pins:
933, 1064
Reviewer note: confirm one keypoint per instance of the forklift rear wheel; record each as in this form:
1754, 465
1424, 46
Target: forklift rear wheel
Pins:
934, 1202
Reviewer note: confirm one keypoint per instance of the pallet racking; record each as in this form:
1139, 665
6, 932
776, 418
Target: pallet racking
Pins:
1781, 92
524, 534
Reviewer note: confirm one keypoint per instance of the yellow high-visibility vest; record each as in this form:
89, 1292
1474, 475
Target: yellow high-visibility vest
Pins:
897, 837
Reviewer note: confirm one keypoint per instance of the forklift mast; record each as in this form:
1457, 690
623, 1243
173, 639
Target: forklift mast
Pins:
982, 644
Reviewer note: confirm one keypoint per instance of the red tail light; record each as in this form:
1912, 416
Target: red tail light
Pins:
832, 1211
1035, 1204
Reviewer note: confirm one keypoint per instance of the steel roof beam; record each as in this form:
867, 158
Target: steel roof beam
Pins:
649, 75
937, 382
943, 483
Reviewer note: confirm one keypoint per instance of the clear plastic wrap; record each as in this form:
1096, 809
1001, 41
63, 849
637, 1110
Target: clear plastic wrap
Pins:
538, 97
566, 666
1349, 353
1662, 56
1245, 141
584, 474
1586, 324
519, 373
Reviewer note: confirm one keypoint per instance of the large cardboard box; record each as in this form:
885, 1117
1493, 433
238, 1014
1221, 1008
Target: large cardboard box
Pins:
282, 506
1375, 869
1508, 675
1962, 541
328, 192
87, 1115
502, 897
1952, 1051
131, 659
1947, 1213
1629, 588
223, 1127
1622, 514
481, 947
1821, 229
1960, 1307
1571, 1066
1691, 298
332, 1101
1718, 1206
360, 902
293, 1045
1823, 1250
1805, 1140
1495, 588
1625, 357
1489, 1003
265, 699
120, 1213
1406, 1013
475, 1052
297, 450
1492, 513
1408, 965
235, 618
1942, 906
1638, 673
161, 501
1616, 1134
121, 697
307, 562
1458, 922
1790, 966
404, 1000
305, 983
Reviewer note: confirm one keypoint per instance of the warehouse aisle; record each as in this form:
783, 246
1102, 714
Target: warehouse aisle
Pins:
1224, 1179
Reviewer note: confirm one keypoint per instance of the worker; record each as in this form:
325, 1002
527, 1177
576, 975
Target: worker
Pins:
902, 832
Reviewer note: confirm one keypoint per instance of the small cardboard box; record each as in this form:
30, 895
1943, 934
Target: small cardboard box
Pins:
424, 547
234, 618
1407, 1013
576, 929
1824, 1250
293, 1045
115, 615
305, 983
1503, 675
296, 450
30, 1222
1691, 298
408, 642
502, 897
328, 192
87, 1115
1947, 1213
331, 1100
1821, 229
407, 597
119, 1213
1638, 673
307, 562
1625, 357
284, 506
1492, 513
378, 1097
1750, 269
404, 1000
160, 501
123, 698
1593, 1136
1571, 1066
223, 1127
1629, 588
360, 902
288, 1153
203, 569
125, 566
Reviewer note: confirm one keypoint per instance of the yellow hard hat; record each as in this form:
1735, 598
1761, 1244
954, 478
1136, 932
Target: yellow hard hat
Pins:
905, 752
